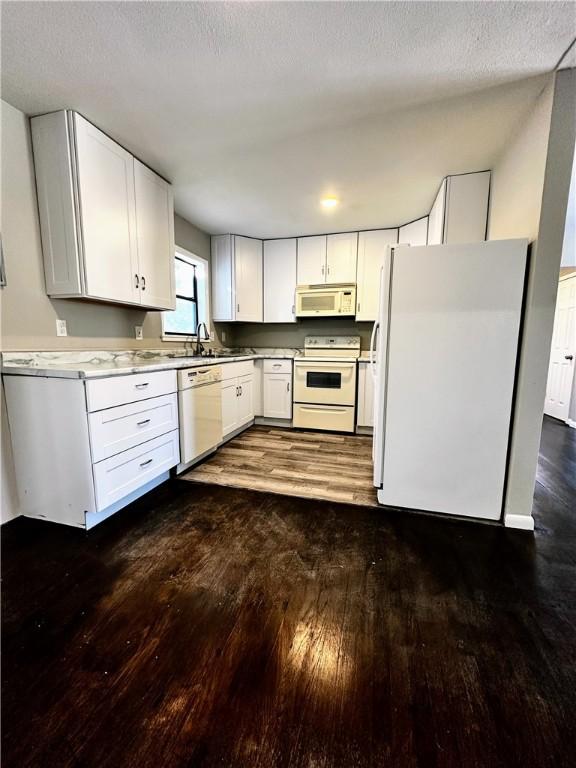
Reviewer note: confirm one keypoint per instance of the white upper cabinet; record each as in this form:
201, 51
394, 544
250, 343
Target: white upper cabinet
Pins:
436, 217
237, 279
107, 202
415, 233
341, 255
371, 251
106, 220
154, 236
460, 212
248, 278
311, 260
279, 280
466, 212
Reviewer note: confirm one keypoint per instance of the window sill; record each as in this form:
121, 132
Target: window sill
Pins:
179, 339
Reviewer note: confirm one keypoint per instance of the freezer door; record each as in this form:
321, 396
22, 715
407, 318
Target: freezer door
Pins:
452, 348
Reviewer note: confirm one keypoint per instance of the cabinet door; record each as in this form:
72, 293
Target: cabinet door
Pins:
467, 208
155, 238
371, 252
277, 395
245, 400
222, 278
341, 255
230, 395
248, 278
415, 233
436, 217
311, 260
108, 215
365, 396
279, 281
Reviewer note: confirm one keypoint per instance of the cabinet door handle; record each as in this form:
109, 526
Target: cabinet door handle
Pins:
358, 306
143, 283
293, 309
148, 461
240, 390
323, 268
143, 385
137, 281
568, 357
237, 307
287, 386
237, 391
328, 269
141, 423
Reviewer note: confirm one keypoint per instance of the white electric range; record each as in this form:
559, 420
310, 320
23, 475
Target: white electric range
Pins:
324, 391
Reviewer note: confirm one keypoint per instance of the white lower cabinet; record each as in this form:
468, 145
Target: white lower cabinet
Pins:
365, 411
277, 395
237, 396
83, 450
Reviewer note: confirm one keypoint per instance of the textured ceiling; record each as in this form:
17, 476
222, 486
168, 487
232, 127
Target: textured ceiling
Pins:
254, 110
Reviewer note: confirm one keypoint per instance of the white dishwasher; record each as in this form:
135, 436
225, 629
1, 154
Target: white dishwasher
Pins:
200, 413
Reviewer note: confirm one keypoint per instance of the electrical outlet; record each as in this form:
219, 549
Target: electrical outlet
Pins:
61, 329
139, 332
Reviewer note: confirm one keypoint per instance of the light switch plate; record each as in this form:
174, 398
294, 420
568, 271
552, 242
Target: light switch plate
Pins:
61, 329
139, 332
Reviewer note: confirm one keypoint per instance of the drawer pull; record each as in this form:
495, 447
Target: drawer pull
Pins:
143, 385
141, 423
148, 461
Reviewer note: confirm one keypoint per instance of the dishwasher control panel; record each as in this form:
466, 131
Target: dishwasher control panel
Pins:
194, 377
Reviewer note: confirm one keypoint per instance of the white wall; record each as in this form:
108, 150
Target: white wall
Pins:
518, 175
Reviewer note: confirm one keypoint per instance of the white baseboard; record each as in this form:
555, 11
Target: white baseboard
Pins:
520, 522
571, 423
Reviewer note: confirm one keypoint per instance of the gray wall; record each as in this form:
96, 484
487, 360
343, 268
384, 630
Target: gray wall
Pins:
292, 334
28, 315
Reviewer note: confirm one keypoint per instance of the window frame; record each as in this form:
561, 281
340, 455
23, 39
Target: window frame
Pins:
191, 258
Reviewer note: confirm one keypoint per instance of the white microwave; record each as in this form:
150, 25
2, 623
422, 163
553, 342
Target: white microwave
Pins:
321, 300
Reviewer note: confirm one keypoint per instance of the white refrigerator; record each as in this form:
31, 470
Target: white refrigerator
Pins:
443, 354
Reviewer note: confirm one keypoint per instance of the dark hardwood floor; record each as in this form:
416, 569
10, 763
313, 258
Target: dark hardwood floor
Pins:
208, 626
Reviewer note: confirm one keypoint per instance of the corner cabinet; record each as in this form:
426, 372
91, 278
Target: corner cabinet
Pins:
106, 220
237, 281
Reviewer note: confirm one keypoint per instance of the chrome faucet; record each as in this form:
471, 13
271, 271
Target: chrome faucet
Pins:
199, 346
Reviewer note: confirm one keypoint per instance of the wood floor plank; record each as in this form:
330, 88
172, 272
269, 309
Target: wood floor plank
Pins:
297, 463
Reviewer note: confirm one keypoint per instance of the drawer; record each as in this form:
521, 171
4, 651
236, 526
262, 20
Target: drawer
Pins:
339, 418
124, 473
119, 390
277, 366
117, 429
235, 370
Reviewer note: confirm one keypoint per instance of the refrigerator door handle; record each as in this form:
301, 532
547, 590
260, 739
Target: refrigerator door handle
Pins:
373, 349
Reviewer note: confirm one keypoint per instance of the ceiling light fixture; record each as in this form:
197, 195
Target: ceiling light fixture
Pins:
329, 202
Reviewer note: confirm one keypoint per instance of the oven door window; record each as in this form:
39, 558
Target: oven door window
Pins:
324, 380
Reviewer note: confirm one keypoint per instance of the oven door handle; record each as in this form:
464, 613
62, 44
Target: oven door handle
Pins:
329, 366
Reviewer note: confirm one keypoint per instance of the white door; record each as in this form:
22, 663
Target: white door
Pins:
230, 394
248, 278
279, 281
245, 399
563, 352
454, 319
341, 255
436, 217
311, 260
365, 396
277, 396
155, 238
415, 233
108, 212
371, 251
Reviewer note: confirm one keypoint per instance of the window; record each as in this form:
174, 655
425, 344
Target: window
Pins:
192, 297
